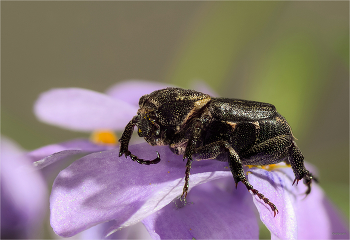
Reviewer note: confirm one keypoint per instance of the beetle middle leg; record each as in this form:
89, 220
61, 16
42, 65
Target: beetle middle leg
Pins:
196, 132
187, 178
212, 150
124, 144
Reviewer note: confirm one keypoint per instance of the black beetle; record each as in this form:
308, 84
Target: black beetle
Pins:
196, 125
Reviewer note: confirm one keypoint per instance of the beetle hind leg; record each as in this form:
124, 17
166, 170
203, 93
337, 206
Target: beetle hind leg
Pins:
214, 149
300, 172
278, 148
239, 175
261, 196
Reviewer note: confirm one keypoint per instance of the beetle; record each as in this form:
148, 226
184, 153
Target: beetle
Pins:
198, 126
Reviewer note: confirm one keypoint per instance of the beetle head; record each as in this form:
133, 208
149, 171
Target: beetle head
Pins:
164, 112
148, 126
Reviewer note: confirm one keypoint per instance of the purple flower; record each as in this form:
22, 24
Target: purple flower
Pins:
23, 194
103, 187
85, 110
106, 187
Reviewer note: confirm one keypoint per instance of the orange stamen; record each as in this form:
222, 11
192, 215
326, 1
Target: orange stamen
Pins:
104, 137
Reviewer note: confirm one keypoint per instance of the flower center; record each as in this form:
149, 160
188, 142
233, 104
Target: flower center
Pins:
104, 137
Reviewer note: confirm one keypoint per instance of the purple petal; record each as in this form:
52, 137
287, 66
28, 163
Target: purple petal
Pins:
300, 216
277, 187
102, 187
83, 110
317, 217
136, 231
23, 194
339, 229
132, 90
50, 154
211, 213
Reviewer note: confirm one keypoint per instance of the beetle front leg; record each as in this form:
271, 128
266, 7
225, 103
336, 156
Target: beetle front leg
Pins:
124, 144
126, 136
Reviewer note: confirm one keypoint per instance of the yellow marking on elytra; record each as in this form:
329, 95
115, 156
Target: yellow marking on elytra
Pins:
232, 124
257, 125
104, 137
197, 105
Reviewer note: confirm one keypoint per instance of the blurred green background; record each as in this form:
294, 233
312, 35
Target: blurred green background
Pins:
294, 55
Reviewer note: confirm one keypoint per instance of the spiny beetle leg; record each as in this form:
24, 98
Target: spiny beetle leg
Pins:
308, 178
261, 196
141, 161
187, 177
297, 162
196, 130
146, 162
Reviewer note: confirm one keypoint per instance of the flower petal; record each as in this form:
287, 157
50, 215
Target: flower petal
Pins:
82, 110
132, 90
317, 217
136, 231
211, 213
339, 229
75, 144
300, 216
277, 187
50, 154
103, 186
23, 194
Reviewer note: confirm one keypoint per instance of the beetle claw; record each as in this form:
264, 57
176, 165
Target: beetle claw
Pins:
297, 180
141, 161
308, 184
